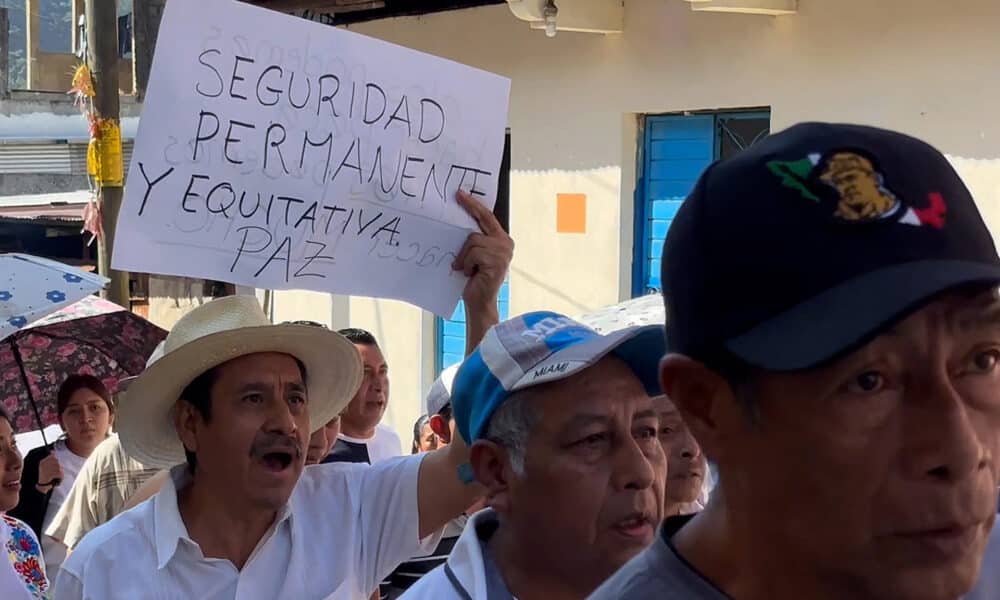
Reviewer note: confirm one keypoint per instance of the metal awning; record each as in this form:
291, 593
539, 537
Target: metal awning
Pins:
342, 12
63, 207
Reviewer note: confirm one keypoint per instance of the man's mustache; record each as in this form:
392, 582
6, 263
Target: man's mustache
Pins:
267, 443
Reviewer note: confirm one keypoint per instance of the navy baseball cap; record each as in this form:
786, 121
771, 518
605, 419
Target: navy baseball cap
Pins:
815, 240
537, 348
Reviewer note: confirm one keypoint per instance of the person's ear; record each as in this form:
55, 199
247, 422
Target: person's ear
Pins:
186, 420
704, 399
491, 467
441, 428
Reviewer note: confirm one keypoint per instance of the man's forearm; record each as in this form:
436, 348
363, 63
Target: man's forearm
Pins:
442, 495
478, 321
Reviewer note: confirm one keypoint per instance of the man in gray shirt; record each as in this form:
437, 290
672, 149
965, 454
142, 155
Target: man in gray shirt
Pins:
988, 586
834, 346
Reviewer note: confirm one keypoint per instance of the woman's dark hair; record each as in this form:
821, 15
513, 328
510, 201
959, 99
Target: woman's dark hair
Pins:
6, 417
74, 383
418, 428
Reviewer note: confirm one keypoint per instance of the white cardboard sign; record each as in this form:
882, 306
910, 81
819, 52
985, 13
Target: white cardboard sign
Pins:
279, 153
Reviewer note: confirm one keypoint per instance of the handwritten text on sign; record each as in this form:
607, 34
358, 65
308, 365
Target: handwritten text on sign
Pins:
279, 153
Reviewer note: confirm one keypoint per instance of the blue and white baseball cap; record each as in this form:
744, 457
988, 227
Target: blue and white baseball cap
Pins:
439, 395
540, 347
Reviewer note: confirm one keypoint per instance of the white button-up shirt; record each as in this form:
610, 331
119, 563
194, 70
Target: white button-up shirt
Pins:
344, 529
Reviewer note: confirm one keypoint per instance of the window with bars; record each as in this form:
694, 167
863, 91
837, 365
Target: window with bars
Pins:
675, 150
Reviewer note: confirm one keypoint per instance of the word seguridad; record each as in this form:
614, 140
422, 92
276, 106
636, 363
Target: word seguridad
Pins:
427, 122
332, 169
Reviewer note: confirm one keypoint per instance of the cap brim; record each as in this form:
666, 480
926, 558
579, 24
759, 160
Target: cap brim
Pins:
144, 423
849, 315
639, 347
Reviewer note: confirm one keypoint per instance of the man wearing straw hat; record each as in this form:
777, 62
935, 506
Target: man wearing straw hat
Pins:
236, 398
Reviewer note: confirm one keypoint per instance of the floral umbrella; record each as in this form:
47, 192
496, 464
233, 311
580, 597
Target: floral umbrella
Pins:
644, 310
92, 337
32, 287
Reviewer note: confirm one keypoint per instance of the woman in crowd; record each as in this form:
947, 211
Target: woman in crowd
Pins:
22, 570
424, 438
86, 415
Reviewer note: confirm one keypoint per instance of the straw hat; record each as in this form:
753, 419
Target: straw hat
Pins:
215, 333
123, 384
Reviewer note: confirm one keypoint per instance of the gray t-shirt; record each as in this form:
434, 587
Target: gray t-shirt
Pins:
659, 572
988, 587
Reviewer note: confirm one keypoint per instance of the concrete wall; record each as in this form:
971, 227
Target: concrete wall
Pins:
38, 115
982, 176
170, 298
55, 72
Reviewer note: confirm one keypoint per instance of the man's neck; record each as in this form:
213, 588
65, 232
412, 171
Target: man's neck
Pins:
729, 553
525, 574
357, 432
221, 527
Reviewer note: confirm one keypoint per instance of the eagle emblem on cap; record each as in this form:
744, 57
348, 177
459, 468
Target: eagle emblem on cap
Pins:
859, 187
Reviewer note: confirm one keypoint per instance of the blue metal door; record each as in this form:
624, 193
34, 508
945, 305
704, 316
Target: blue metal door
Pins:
451, 332
676, 150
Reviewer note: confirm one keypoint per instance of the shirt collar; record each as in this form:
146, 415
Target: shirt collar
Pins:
169, 529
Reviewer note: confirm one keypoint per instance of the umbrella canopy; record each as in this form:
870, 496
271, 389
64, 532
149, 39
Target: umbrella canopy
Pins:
32, 287
92, 337
644, 310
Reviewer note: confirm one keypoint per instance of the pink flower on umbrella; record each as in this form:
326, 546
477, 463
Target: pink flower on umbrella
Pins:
40, 342
11, 375
25, 423
86, 370
66, 350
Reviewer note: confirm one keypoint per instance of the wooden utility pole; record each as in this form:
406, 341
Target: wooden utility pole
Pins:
102, 58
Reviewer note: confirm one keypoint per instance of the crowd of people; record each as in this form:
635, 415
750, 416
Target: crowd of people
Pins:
818, 418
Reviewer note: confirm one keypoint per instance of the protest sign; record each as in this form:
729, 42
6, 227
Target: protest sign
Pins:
280, 153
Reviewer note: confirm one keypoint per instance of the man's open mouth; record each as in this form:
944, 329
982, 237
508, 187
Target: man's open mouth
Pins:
636, 525
278, 460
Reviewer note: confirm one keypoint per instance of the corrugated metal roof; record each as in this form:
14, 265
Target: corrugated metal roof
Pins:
50, 158
43, 126
48, 207
77, 197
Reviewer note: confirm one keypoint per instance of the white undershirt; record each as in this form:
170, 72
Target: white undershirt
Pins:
53, 550
384, 444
